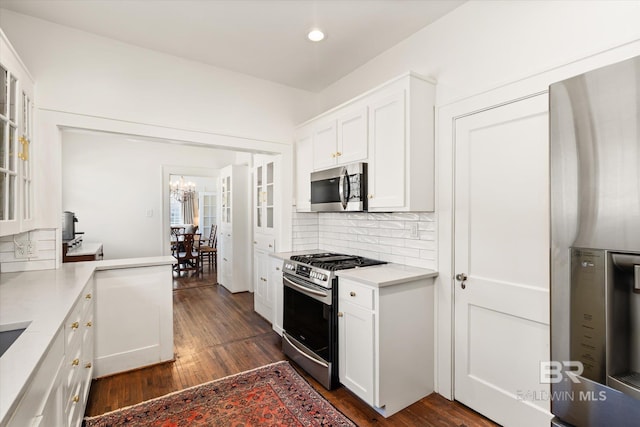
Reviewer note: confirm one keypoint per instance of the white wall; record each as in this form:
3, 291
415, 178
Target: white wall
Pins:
83, 73
111, 182
484, 44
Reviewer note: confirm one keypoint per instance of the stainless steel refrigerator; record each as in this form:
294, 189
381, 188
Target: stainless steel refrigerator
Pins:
595, 252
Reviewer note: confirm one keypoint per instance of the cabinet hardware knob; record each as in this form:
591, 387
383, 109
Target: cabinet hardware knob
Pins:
338, 154
88, 365
89, 324
353, 294
277, 268
225, 259
75, 362
333, 155
88, 296
340, 314
370, 196
75, 325
255, 243
270, 246
76, 399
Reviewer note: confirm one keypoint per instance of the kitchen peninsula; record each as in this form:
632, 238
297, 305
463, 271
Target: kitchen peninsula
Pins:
68, 312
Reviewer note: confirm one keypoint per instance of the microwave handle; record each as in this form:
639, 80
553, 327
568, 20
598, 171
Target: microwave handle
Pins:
344, 189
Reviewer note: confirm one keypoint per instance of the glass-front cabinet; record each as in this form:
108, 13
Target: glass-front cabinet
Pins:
16, 138
264, 196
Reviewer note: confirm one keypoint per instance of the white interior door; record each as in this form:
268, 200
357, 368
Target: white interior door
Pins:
502, 247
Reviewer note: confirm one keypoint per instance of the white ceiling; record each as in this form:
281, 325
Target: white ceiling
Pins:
262, 38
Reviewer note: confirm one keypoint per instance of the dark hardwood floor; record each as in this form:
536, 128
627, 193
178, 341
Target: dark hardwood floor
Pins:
217, 334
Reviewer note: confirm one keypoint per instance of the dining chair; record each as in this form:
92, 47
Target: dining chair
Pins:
187, 254
209, 248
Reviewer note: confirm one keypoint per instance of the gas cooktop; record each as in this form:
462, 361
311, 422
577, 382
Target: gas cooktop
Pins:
334, 261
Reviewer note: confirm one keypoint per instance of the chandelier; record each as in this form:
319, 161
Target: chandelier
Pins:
182, 191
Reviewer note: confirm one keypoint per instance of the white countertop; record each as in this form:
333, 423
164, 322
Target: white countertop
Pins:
44, 298
386, 274
375, 275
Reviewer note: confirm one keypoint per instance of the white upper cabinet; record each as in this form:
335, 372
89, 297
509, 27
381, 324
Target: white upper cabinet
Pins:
264, 194
304, 167
392, 129
340, 139
325, 138
352, 136
401, 146
16, 138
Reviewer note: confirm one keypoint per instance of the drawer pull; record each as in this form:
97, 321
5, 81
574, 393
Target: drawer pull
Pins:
75, 325
89, 324
88, 296
76, 399
270, 246
88, 365
353, 294
75, 362
340, 314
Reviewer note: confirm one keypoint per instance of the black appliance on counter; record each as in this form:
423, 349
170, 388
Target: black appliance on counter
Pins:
310, 319
69, 220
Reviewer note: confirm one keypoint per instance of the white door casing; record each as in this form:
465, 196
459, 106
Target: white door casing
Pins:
501, 241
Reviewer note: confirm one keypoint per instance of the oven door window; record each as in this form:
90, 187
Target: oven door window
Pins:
308, 320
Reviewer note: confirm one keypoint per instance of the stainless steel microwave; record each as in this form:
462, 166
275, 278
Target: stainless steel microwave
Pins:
340, 189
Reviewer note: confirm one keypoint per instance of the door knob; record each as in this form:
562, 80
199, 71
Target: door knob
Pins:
462, 278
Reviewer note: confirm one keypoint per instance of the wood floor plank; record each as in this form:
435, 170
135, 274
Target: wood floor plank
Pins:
217, 334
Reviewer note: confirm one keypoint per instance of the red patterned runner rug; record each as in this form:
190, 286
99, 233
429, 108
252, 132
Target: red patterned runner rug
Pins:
272, 395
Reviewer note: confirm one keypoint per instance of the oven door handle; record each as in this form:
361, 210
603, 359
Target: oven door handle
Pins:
313, 359
305, 289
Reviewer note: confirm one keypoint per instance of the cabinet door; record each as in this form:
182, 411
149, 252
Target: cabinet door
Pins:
262, 296
324, 145
356, 338
275, 283
304, 167
352, 137
387, 131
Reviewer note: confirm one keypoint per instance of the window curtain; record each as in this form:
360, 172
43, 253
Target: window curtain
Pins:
190, 213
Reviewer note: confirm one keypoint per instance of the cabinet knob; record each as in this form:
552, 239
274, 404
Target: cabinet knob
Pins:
75, 362
89, 324
270, 246
255, 243
88, 296
370, 196
76, 399
277, 268
88, 365
353, 294
333, 155
75, 325
225, 259
338, 154
340, 314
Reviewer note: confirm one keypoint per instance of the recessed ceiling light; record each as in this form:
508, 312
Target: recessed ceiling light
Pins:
315, 35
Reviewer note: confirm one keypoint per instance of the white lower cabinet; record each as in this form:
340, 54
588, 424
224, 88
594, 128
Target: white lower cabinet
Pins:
275, 282
57, 394
263, 289
385, 348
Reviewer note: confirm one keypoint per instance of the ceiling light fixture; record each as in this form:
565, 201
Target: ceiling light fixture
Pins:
315, 35
182, 191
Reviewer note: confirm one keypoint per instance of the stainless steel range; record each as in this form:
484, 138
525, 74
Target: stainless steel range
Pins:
310, 320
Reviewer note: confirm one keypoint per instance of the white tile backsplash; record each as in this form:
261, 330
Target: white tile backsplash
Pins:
46, 243
384, 236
